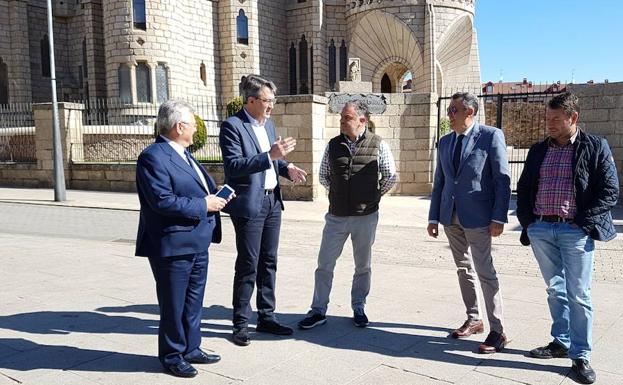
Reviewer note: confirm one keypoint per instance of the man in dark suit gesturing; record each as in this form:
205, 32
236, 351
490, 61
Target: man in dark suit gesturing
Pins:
179, 218
253, 158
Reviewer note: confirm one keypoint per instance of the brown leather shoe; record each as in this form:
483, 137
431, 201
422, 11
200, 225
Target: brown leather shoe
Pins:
495, 342
469, 327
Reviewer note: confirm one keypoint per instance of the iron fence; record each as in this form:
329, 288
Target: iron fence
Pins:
114, 131
520, 115
17, 133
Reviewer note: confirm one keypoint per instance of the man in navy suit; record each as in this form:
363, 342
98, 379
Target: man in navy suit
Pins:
253, 159
470, 198
179, 218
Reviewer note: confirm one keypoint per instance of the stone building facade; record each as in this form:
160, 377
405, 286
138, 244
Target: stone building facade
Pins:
143, 51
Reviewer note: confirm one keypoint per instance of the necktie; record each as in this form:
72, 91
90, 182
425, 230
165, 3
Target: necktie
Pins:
196, 169
456, 157
189, 159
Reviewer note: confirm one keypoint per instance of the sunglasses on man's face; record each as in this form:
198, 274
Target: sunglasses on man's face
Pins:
452, 110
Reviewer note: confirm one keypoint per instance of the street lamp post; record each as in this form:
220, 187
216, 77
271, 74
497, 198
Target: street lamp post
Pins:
59, 172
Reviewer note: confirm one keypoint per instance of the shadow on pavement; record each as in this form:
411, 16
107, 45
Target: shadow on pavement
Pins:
32, 356
388, 339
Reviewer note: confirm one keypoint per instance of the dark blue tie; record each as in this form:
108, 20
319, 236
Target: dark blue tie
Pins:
456, 157
189, 159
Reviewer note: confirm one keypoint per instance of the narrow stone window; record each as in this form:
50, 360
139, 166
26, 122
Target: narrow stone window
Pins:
304, 89
162, 83
143, 83
139, 14
343, 61
85, 69
45, 57
311, 69
293, 84
202, 74
125, 90
386, 85
332, 68
242, 28
4, 82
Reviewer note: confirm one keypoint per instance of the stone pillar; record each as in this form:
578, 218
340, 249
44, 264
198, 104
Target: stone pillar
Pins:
70, 123
303, 118
408, 125
429, 80
96, 56
18, 62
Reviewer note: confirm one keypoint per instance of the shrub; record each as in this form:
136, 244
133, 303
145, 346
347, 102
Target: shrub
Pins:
199, 138
201, 135
234, 105
444, 126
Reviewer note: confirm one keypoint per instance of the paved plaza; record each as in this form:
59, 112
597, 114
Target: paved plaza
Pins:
77, 308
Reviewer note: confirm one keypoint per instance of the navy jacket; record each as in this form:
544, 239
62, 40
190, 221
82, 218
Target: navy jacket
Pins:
245, 165
595, 181
174, 217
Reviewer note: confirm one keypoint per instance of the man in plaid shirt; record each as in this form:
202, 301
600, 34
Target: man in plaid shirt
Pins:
564, 196
357, 168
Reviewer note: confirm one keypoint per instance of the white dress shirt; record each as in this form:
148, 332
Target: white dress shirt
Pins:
270, 181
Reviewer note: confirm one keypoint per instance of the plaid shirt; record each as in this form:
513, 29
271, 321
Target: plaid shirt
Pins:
387, 168
556, 193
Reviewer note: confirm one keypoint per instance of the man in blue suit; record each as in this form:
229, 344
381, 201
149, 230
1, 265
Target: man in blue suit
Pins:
253, 159
179, 218
470, 198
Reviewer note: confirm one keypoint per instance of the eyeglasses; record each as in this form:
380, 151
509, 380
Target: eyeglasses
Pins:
188, 124
269, 101
452, 110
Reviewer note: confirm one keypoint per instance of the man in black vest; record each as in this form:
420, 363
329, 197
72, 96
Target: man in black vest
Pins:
357, 168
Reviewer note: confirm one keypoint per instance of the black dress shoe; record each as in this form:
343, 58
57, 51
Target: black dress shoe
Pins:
273, 327
583, 371
182, 369
202, 357
552, 350
241, 336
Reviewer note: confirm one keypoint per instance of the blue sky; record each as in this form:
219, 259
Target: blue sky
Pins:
545, 40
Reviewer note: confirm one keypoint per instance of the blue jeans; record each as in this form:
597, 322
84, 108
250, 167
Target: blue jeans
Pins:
565, 255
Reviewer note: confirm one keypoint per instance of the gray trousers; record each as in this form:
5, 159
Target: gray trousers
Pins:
471, 249
362, 230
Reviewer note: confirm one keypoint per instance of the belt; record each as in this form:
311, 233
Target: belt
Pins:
554, 219
268, 191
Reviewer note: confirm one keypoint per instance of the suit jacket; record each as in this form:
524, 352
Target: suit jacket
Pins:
480, 189
174, 217
245, 165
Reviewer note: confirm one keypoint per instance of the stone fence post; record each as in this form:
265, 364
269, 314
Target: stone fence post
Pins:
70, 123
302, 117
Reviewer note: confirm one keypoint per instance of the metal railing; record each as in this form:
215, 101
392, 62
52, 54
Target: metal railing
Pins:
17, 133
114, 131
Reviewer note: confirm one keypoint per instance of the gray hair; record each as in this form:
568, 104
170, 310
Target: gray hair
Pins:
361, 108
170, 113
468, 99
252, 84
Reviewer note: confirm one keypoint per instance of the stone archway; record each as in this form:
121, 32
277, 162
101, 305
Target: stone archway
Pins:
384, 52
393, 72
454, 50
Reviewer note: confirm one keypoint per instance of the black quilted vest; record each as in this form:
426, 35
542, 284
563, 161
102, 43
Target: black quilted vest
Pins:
354, 188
